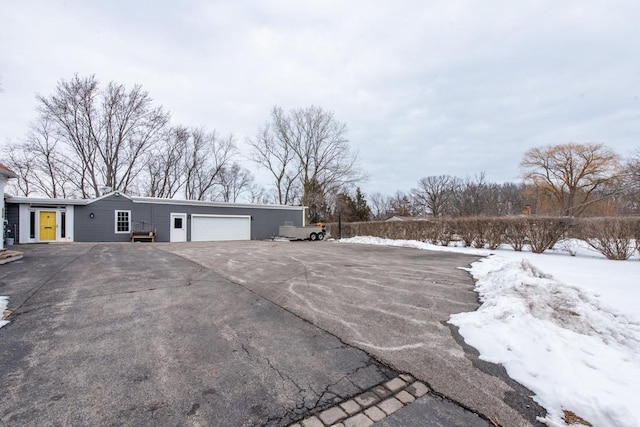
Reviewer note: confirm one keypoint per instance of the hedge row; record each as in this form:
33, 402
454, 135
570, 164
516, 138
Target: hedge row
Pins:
614, 237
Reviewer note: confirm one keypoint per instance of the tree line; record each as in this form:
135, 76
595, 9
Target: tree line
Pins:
570, 179
88, 139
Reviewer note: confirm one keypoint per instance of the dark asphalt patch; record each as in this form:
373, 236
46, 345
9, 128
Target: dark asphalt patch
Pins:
432, 411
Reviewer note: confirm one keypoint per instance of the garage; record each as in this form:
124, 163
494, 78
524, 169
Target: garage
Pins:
209, 228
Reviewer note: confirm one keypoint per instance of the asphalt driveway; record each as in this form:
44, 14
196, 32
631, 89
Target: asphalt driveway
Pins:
132, 335
236, 333
391, 302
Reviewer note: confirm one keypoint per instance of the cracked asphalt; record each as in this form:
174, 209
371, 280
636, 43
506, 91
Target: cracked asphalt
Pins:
238, 334
132, 335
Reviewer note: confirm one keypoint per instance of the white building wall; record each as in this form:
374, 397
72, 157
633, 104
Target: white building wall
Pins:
25, 221
24, 224
2, 181
69, 237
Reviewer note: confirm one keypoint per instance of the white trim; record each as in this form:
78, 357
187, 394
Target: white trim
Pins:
113, 193
45, 201
24, 221
115, 225
220, 216
70, 221
58, 201
159, 201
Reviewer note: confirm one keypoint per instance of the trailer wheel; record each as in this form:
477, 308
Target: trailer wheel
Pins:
320, 236
313, 237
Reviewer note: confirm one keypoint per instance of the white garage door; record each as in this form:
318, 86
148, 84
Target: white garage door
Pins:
209, 228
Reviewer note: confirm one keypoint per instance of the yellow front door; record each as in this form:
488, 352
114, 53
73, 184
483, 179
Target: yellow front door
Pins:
47, 225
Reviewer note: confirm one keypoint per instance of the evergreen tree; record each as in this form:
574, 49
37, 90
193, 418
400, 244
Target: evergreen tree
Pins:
361, 211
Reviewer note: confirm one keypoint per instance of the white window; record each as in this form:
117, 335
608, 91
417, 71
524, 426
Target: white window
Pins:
123, 221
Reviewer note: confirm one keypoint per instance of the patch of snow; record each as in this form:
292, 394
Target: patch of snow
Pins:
4, 302
566, 324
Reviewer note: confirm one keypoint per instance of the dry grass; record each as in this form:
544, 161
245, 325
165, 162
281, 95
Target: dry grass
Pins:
571, 418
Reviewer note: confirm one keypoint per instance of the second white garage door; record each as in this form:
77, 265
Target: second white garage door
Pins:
209, 228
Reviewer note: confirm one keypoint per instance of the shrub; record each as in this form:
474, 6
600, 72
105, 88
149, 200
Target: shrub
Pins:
612, 237
479, 228
494, 232
515, 232
464, 230
615, 238
544, 232
445, 232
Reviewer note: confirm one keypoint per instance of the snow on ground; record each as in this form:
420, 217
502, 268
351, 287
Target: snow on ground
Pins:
567, 327
4, 301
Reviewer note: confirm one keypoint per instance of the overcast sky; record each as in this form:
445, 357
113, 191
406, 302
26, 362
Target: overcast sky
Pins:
425, 87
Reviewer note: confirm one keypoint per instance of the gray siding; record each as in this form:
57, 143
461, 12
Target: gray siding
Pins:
101, 228
150, 216
13, 220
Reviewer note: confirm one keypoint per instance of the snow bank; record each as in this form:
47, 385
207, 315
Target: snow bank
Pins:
566, 327
557, 340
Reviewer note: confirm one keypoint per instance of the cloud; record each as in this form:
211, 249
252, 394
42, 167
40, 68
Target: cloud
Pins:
425, 88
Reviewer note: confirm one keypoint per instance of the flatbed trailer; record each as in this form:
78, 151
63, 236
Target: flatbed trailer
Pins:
292, 232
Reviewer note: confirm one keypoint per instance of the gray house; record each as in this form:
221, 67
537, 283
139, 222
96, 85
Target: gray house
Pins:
115, 217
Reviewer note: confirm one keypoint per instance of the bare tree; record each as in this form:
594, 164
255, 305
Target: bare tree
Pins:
54, 177
401, 204
380, 206
569, 174
106, 133
21, 161
435, 193
41, 165
234, 181
165, 167
307, 149
628, 198
510, 199
472, 196
633, 167
258, 194
272, 150
206, 156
